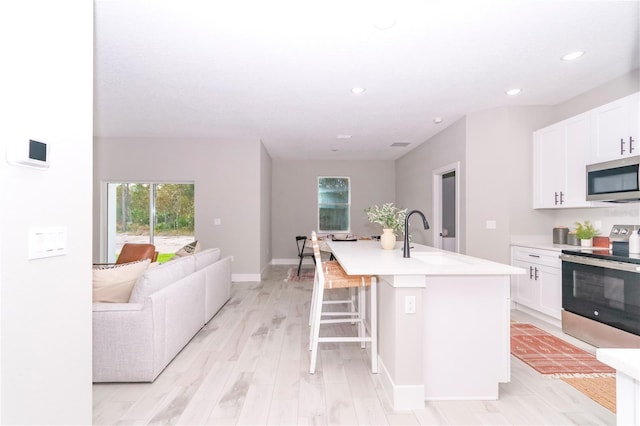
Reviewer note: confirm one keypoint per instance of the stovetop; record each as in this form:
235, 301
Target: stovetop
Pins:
606, 254
619, 250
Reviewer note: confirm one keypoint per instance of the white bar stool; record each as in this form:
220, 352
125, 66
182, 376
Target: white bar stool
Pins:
330, 275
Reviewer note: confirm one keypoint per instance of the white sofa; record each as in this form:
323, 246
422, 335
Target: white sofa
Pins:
169, 304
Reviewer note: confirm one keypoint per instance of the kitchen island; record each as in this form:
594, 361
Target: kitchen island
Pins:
443, 321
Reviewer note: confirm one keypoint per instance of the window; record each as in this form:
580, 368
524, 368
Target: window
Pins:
334, 204
158, 213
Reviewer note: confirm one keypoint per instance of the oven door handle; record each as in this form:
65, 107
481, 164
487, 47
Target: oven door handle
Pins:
611, 264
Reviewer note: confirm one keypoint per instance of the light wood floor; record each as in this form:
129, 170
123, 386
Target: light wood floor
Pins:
249, 366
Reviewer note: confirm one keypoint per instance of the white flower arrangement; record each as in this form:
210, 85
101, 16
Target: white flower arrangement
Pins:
389, 216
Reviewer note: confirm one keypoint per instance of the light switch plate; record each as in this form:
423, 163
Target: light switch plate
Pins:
47, 241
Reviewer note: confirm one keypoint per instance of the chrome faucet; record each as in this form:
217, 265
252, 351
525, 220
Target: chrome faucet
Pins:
406, 253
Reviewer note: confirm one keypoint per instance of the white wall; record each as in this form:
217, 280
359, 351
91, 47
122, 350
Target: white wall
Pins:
265, 208
227, 186
499, 179
414, 172
46, 84
295, 198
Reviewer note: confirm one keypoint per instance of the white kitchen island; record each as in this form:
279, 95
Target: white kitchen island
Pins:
443, 321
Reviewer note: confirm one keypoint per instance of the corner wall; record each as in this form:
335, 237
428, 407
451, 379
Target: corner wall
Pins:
227, 186
414, 171
266, 171
45, 304
295, 198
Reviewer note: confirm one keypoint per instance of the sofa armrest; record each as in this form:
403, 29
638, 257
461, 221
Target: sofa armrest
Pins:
217, 286
128, 341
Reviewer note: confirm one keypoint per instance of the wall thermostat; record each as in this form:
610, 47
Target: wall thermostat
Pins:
32, 154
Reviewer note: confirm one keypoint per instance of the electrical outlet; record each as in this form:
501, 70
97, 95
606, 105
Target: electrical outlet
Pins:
409, 304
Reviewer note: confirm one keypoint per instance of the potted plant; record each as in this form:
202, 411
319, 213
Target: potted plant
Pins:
391, 218
585, 231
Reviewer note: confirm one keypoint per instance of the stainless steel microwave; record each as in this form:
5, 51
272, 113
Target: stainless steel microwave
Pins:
616, 181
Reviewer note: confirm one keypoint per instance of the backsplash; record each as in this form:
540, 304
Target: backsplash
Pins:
604, 217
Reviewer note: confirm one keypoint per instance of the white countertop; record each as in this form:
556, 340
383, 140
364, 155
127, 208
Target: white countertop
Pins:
624, 360
550, 246
369, 258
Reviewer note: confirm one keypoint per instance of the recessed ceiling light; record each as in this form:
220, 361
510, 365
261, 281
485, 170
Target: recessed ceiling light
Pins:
400, 144
513, 92
357, 90
343, 136
437, 120
573, 55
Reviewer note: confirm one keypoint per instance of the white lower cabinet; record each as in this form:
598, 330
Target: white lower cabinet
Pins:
540, 288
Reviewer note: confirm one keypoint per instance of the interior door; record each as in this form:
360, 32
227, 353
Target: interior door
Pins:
446, 196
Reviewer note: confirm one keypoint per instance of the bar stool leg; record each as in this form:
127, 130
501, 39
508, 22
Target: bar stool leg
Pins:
362, 311
374, 325
315, 330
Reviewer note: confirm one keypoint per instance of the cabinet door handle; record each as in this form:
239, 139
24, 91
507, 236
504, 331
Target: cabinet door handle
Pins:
534, 255
536, 274
556, 198
630, 144
561, 197
621, 146
530, 272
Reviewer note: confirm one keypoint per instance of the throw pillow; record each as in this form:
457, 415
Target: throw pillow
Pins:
189, 249
114, 284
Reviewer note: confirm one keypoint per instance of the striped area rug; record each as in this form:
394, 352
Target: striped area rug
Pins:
551, 355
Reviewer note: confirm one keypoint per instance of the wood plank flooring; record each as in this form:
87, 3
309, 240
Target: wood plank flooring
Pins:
249, 365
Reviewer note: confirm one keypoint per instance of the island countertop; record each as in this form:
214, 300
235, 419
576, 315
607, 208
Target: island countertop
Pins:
368, 258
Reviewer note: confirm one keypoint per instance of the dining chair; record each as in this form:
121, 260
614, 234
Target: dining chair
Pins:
329, 276
301, 242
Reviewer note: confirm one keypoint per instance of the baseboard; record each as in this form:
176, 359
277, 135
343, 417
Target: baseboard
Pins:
539, 315
293, 261
238, 278
402, 397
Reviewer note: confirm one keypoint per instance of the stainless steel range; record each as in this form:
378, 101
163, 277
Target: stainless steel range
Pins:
601, 292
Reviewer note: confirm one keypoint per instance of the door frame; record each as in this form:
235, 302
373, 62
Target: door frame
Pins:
437, 203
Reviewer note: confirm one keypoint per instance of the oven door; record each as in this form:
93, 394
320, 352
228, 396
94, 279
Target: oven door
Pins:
602, 290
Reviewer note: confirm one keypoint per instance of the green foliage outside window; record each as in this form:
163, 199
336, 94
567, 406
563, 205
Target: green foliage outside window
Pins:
334, 206
174, 204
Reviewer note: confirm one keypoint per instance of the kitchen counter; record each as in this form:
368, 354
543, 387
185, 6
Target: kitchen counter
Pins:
367, 258
443, 321
626, 361
548, 246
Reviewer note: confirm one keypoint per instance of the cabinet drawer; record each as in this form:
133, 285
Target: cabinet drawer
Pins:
549, 258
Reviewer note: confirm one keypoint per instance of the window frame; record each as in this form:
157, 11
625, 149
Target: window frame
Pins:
107, 212
347, 204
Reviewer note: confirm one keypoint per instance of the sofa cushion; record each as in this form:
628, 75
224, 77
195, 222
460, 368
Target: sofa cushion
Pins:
189, 249
206, 257
114, 284
161, 276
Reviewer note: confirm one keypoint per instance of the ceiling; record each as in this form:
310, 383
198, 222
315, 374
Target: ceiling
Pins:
282, 71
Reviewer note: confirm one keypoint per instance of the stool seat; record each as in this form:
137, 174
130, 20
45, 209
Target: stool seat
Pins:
336, 277
331, 276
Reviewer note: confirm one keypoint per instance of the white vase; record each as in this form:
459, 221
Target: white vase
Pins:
388, 239
586, 243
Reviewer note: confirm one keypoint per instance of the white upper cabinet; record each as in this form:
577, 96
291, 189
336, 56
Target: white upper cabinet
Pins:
616, 129
560, 155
